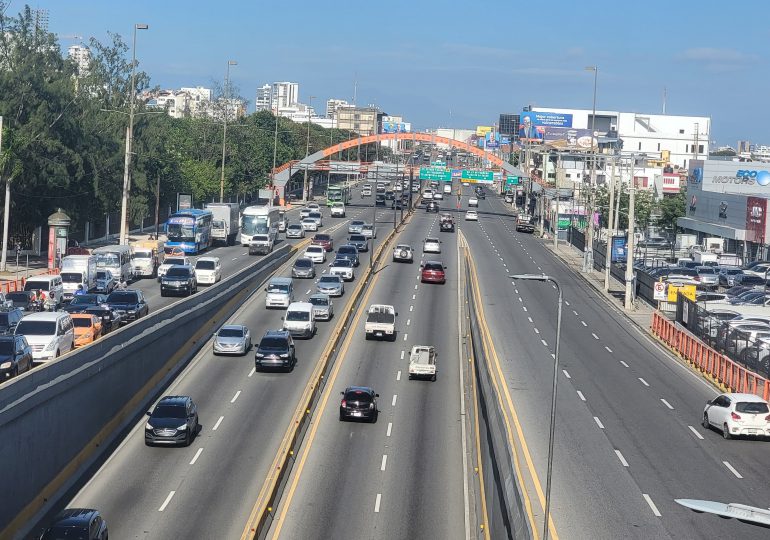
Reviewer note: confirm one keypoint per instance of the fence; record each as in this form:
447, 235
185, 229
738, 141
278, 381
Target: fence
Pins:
576, 237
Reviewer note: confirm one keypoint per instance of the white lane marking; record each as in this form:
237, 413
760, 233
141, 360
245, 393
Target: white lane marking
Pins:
594, 335
581, 396
377, 503
624, 364
530, 319
598, 422
566, 374
537, 331
516, 291
608, 349
415, 287
393, 403
384, 461
235, 258
652, 504
402, 354
544, 342
667, 404
196, 456
308, 291
238, 393
165, 503
645, 383
390, 427
520, 300
732, 469
408, 322
566, 303
524, 308
217, 424
411, 308
414, 296
405, 336
245, 253
575, 312
253, 371
695, 432
621, 458
398, 375
583, 323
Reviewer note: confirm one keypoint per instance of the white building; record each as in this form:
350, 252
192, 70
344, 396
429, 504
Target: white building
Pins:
333, 104
681, 138
263, 99
285, 94
81, 55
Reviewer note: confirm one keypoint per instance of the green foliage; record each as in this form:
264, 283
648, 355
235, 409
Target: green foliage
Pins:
671, 208
643, 206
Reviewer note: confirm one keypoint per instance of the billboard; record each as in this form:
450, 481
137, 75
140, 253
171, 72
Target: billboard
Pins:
756, 219
396, 127
568, 137
483, 130
618, 249
492, 140
533, 124
183, 201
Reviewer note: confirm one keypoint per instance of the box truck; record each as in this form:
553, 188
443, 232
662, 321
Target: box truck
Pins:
225, 224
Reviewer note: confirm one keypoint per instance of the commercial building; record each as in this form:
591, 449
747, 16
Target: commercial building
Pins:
729, 199
333, 104
509, 125
81, 55
263, 98
362, 120
285, 95
193, 102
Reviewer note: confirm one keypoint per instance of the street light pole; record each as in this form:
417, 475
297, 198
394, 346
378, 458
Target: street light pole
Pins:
554, 389
628, 301
610, 230
588, 262
224, 131
275, 139
129, 143
307, 151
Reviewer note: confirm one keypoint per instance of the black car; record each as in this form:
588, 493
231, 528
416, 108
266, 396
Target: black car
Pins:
77, 524
179, 279
275, 350
348, 251
129, 303
173, 421
15, 356
360, 241
359, 402
379, 199
432, 206
80, 303
111, 319
22, 299
9, 318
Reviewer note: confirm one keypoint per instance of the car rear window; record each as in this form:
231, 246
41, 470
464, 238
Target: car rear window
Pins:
205, 265
303, 263
66, 533
751, 407
230, 332
272, 343
358, 395
36, 328
82, 322
433, 266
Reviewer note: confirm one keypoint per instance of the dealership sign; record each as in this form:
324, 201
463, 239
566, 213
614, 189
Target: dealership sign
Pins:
730, 177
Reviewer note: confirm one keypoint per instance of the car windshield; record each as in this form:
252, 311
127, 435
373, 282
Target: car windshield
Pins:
205, 265
260, 238
33, 285
732, 271
308, 220
273, 344
36, 328
278, 288
315, 249
295, 226
347, 263
176, 271
84, 300
685, 272
329, 280
120, 297
109, 260
103, 275
231, 332
72, 277
707, 270
297, 315
319, 301
254, 225
431, 240
82, 322
303, 263
142, 255
358, 238
751, 407
66, 533
18, 297
169, 411
356, 223
173, 260
4, 320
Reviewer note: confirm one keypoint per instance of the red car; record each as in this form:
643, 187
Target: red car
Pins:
323, 240
433, 272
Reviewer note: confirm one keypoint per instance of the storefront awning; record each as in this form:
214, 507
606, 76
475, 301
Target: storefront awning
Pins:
712, 229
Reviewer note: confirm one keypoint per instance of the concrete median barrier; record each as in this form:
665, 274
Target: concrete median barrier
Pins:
58, 422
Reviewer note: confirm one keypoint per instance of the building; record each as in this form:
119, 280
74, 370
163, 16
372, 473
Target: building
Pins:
284, 95
81, 55
683, 137
362, 120
729, 199
509, 125
263, 98
333, 104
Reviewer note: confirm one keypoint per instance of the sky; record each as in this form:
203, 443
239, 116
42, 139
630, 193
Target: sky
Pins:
456, 63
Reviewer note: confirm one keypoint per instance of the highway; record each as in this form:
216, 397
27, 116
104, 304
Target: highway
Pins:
401, 477
628, 434
158, 492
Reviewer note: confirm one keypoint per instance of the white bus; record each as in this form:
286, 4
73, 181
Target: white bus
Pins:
259, 220
117, 259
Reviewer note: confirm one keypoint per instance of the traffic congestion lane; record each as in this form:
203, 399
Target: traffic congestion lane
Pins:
402, 476
641, 404
238, 410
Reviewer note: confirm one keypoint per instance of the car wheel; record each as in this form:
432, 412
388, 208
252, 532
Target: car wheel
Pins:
188, 439
374, 417
342, 418
726, 432
705, 423
15, 372
433, 378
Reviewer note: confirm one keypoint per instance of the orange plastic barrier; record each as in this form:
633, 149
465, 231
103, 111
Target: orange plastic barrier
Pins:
719, 367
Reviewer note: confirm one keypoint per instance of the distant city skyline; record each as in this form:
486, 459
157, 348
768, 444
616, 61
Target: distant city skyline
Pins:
444, 67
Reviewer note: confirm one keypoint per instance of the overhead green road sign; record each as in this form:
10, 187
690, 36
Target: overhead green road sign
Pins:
511, 180
435, 173
479, 177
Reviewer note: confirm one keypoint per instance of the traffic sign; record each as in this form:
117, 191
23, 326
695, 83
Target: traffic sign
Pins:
511, 180
659, 292
478, 177
435, 173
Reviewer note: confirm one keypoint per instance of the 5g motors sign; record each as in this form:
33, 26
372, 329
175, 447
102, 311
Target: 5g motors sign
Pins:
751, 176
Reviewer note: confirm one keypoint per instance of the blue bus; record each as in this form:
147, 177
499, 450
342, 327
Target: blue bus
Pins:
188, 231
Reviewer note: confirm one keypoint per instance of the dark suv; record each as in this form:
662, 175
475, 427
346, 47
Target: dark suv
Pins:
359, 402
80, 523
9, 318
275, 350
179, 279
15, 356
174, 421
129, 303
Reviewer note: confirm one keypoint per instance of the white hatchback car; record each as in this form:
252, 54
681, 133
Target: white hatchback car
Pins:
317, 254
471, 215
309, 224
208, 270
431, 245
738, 414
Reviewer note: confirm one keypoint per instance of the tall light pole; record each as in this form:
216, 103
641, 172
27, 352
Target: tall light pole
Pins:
554, 388
224, 131
610, 229
588, 258
307, 150
628, 301
129, 143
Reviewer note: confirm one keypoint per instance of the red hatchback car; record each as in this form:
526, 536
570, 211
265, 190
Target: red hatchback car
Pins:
323, 240
433, 272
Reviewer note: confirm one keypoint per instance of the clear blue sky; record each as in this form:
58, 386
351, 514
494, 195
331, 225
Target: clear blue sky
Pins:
458, 64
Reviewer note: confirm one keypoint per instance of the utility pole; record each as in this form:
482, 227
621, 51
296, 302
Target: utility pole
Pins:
157, 207
275, 140
610, 230
305, 190
129, 143
588, 259
224, 131
631, 241
7, 212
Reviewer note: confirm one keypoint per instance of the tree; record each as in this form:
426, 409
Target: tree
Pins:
671, 209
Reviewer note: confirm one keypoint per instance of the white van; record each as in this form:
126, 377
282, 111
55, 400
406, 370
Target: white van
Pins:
299, 320
208, 270
50, 287
78, 270
280, 292
49, 334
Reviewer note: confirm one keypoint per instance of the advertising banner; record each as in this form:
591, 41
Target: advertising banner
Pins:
756, 219
183, 201
396, 127
483, 130
533, 124
568, 137
618, 250
492, 140
688, 291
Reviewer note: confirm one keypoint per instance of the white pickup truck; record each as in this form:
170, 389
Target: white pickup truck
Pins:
422, 362
170, 261
381, 322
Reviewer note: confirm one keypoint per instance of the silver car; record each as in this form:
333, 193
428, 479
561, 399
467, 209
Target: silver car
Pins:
355, 226
369, 230
295, 230
331, 285
303, 268
323, 308
232, 339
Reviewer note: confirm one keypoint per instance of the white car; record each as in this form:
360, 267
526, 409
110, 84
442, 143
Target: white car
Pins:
403, 253
737, 414
466, 184
369, 230
316, 215
208, 270
473, 202
317, 254
309, 224
438, 195
427, 194
314, 207
168, 262
342, 268
431, 245
305, 212
337, 210
471, 215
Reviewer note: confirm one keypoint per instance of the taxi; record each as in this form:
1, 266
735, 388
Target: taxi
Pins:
88, 328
